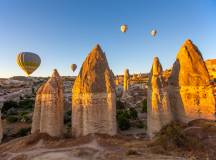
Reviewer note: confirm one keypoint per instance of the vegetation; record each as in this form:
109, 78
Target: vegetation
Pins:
26, 104
125, 115
23, 132
140, 124
12, 119
8, 105
23, 117
172, 136
14, 111
123, 121
144, 106
133, 113
67, 118
120, 105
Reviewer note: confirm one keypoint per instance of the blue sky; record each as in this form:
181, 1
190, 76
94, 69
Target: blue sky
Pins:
64, 32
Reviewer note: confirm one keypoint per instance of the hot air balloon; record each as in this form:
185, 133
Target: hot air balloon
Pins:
124, 28
154, 33
28, 62
73, 67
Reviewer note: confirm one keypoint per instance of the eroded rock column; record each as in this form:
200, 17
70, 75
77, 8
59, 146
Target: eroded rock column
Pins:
190, 92
94, 99
158, 105
48, 114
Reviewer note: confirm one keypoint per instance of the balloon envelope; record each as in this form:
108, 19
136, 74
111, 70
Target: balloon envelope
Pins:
28, 62
154, 33
73, 67
124, 28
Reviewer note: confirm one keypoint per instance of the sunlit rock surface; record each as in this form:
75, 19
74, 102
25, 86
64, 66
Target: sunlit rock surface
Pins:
190, 92
158, 108
48, 114
126, 80
93, 98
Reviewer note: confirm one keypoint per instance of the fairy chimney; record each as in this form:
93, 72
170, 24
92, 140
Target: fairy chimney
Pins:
48, 114
94, 99
190, 92
158, 106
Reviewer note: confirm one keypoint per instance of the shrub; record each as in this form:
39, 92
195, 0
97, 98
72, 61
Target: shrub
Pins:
67, 117
23, 117
133, 113
11, 119
123, 120
123, 123
144, 106
120, 105
172, 136
26, 104
23, 132
140, 124
8, 105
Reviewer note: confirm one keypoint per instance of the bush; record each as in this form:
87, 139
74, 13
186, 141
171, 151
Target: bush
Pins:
140, 124
144, 106
23, 132
120, 105
133, 113
123, 120
123, 123
172, 136
11, 119
67, 117
8, 105
23, 117
26, 104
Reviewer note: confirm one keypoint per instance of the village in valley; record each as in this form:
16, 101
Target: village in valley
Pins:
108, 80
135, 107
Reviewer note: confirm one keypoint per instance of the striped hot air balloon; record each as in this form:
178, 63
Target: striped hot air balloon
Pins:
28, 62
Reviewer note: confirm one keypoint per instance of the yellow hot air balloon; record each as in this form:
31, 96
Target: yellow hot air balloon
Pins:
73, 67
124, 28
28, 62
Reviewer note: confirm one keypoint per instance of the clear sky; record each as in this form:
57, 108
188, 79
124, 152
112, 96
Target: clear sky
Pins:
64, 32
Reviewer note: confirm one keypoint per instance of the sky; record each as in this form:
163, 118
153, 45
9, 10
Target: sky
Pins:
63, 32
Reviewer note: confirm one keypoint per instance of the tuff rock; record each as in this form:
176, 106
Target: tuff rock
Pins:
190, 93
94, 99
48, 114
158, 105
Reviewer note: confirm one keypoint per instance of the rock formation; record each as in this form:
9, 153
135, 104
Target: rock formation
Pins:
211, 66
190, 93
158, 107
94, 99
126, 80
48, 114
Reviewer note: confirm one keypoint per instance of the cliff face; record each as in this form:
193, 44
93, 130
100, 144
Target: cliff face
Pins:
190, 92
159, 112
211, 66
48, 114
94, 99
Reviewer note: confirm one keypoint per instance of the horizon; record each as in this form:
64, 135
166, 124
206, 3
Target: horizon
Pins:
62, 33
